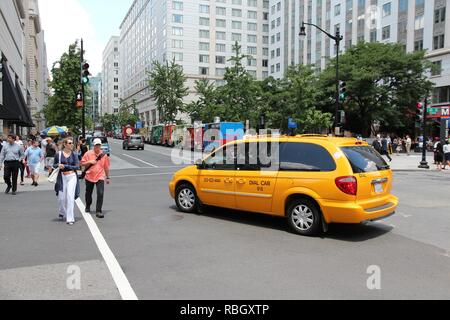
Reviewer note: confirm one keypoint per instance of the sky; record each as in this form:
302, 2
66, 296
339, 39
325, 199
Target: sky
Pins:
65, 21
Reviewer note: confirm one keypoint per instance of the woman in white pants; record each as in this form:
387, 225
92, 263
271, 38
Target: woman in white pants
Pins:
67, 186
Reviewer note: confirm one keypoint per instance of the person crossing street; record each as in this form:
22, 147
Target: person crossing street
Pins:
11, 155
96, 165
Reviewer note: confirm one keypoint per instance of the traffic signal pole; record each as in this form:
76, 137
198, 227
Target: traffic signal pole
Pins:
424, 163
83, 111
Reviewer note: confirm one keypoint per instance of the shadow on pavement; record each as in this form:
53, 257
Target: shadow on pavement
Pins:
340, 232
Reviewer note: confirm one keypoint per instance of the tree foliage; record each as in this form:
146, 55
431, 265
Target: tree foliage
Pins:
65, 84
384, 84
167, 83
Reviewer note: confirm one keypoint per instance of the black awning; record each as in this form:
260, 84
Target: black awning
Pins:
10, 109
25, 111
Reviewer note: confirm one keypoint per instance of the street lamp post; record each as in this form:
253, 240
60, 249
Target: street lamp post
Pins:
424, 163
337, 39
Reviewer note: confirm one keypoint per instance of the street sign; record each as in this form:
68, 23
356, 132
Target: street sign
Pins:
292, 124
139, 125
436, 112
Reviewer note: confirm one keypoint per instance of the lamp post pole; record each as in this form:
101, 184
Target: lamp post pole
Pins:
83, 110
424, 163
337, 39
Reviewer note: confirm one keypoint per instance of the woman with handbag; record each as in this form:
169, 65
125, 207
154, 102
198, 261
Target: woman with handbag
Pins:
67, 186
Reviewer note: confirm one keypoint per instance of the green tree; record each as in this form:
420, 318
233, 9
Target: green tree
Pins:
109, 122
294, 96
384, 84
167, 83
65, 84
206, 107
240, 96
128, 114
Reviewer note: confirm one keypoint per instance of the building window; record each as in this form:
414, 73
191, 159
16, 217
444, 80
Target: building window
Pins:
236, 37
116, 80
278, 52
386, 32
203, 46
178, 56
278, 21
116, 87
420, 3
236, 13
386, 9
177, 18
349, 5
221, 35
419, 22
272, 54
439, 15
438, 42
251, 26
437, 68
265, 63
252, 50
279, 6
204, 34
204, 8
220, 60
265, 39
278, 67
403, 5
278, 36
441, 95
203, 58
177, 5
361, 3
266, 52
220, 47
204, 71
221, 11
337, 10
265, 28
204, 21
272, 39
221, 23
251, 3
418, 45
265, 16
220, 72
373, 36
251, 62
237, 2
177, 44
236, 25
177, 31
251, 38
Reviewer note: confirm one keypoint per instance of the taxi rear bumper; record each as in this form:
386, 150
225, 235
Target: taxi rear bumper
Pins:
353, 212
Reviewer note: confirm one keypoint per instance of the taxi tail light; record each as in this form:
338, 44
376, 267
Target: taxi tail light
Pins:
348, 185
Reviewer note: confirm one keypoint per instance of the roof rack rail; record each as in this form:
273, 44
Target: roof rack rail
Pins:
312, 136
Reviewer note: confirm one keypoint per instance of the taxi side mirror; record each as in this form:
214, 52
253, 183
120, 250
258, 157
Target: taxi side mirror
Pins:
200, 164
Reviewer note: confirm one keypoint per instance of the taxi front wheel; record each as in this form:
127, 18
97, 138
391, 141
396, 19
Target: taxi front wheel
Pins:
186, 198
304, 217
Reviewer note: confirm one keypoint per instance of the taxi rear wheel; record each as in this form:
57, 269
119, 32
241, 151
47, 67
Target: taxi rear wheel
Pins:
186, 198
304, 217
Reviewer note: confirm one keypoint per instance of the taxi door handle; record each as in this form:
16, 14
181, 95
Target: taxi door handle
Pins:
242, 181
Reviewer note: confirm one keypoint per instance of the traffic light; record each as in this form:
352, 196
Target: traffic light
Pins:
79, 100
343, 90
85, 73
419, 113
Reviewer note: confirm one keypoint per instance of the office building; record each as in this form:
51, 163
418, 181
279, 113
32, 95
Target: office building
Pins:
110, 84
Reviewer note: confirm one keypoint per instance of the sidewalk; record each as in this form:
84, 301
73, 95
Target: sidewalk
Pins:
411, 163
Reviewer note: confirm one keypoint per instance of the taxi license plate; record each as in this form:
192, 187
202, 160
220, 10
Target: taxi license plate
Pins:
379, 188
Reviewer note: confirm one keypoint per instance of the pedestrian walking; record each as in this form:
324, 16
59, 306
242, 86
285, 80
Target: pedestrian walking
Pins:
439, 154
67, 186
377, 144
20, 143
96, 165
82, 148
34, 156
27, 169
446, 149
408, 144
11, 155
50, 152
385, 148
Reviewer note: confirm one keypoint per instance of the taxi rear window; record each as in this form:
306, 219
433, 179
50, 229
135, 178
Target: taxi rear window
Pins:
305, 157
365, 159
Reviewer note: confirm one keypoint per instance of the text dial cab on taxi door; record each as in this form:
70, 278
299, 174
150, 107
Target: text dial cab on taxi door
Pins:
312, 181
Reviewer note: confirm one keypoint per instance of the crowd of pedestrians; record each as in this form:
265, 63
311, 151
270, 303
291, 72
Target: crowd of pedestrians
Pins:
61, 158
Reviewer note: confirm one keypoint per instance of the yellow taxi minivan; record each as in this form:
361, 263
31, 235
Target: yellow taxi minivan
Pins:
312, 181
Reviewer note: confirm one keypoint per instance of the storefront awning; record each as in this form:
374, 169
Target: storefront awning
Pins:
14, 108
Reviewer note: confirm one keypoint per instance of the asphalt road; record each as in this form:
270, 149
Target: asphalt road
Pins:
221, 254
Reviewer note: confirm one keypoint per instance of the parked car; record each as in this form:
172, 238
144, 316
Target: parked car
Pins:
134, 142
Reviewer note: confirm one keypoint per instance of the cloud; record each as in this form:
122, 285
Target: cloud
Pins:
65, 21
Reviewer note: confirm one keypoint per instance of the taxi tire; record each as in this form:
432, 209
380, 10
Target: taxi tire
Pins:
314, 230
179, 189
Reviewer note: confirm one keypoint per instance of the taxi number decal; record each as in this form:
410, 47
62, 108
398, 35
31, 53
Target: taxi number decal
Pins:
212, 180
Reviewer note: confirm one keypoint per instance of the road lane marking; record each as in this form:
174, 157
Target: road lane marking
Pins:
143, 175
144, 162
119, 277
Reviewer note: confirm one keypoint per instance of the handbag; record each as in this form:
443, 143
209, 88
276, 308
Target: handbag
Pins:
53, 178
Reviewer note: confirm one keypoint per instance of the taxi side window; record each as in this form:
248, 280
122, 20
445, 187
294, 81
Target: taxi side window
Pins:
255, 156
305, 157
222, 159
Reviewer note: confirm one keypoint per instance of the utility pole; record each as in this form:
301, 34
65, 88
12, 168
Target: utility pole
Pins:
83, 110
424, 163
